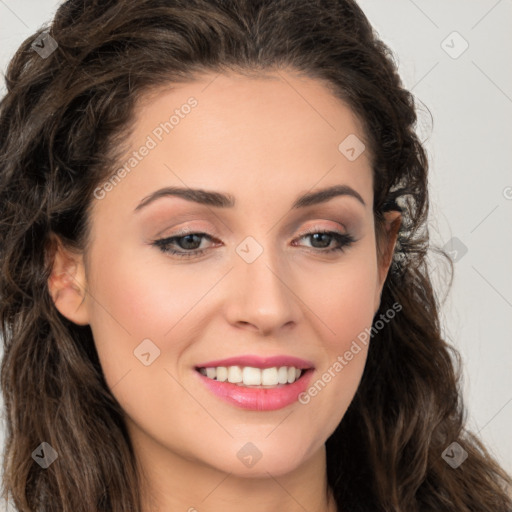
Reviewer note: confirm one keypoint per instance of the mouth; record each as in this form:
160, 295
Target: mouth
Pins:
256, 389
255, 382
252, 377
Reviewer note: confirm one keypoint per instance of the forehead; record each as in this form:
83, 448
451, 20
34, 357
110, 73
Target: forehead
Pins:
259, 104
275, 135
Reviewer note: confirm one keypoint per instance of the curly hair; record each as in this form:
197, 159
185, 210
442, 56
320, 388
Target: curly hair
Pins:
63, 121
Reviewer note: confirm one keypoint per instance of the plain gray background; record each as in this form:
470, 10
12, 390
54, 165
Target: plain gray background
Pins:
469, 93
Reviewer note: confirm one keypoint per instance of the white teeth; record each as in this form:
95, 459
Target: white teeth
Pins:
250, 376
222, 373
234, 374
282, 375
269, 376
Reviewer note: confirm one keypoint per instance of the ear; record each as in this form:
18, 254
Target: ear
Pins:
67, 284
393, 220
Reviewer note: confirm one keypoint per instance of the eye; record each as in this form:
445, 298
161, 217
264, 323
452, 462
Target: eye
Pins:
325, 237
188, 245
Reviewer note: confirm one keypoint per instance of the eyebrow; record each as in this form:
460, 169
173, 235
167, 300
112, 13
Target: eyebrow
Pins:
225, 200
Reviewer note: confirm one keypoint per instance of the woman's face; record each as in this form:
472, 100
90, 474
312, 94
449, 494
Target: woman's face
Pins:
261, 286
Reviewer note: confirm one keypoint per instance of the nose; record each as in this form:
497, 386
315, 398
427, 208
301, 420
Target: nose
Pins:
263, 298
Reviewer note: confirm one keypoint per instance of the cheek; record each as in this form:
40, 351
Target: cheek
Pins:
344, 302
127, 307
347, 311
342, 297
139, 296
136, 301
350, 304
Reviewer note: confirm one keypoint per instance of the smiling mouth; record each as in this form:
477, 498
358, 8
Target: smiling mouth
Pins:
251, 377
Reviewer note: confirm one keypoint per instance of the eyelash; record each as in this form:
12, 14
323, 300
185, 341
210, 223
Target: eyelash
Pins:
344, 240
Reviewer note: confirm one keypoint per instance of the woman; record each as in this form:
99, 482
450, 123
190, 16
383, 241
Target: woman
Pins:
214, 283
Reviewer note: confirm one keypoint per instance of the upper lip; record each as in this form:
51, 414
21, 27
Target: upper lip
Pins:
260, 362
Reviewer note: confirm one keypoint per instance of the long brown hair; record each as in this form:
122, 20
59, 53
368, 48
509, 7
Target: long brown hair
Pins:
62, 123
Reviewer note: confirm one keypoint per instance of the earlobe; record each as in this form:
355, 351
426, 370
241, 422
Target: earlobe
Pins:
66, 284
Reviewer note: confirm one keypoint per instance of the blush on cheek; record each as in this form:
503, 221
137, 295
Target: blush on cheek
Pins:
136, 294
348, 308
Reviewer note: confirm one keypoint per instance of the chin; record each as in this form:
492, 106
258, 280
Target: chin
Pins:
258, 459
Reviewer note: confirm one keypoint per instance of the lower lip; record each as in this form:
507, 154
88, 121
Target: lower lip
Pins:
258, 399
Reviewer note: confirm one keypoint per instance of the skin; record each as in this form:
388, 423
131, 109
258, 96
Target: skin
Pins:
265, 141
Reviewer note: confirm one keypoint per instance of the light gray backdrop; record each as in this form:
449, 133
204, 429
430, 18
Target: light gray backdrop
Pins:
456, 58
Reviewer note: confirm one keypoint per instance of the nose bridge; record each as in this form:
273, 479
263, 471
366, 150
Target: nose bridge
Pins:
263, 296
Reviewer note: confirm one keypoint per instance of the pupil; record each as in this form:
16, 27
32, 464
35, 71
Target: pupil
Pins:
186, 240
316, 235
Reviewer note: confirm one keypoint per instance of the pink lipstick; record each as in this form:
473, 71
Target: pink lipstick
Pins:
247, 393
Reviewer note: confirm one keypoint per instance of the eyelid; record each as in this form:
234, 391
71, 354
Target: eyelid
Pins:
206, 229
313, 228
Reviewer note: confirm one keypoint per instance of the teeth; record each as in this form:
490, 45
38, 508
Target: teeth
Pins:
250, 376
282, 375
269, 376
222, 373
234, 374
